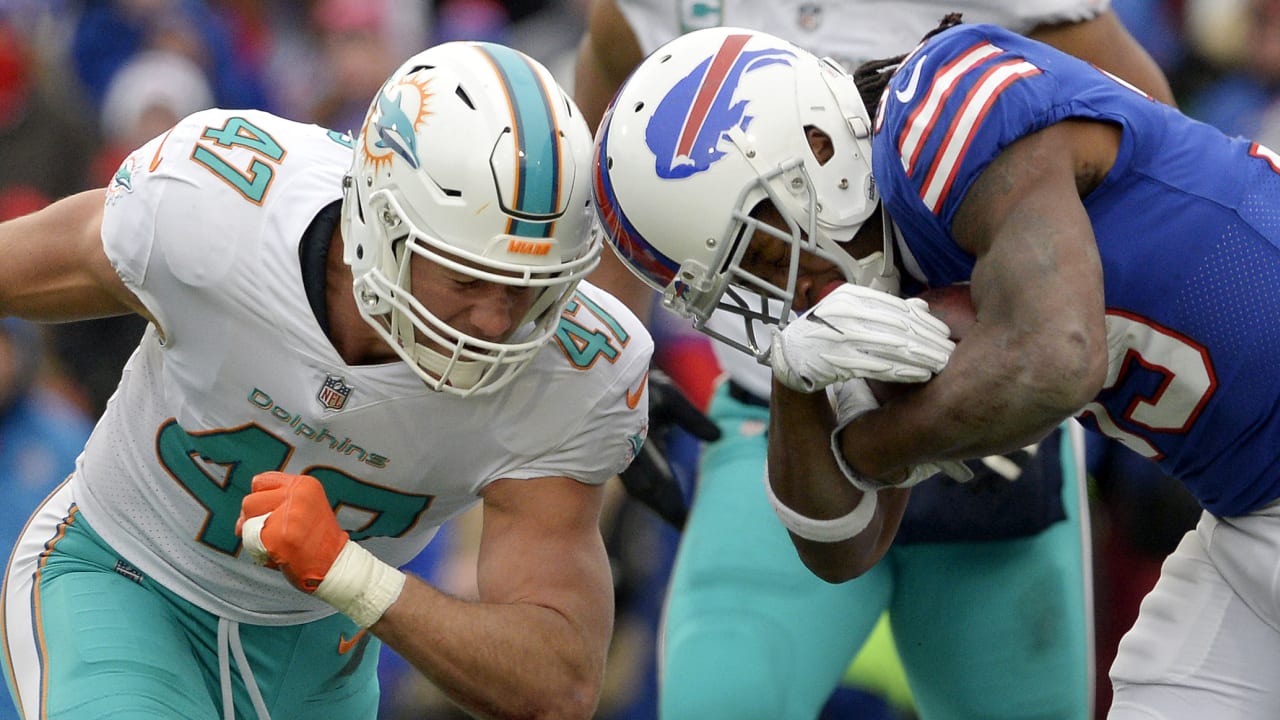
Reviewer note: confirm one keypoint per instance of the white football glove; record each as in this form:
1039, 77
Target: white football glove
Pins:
853, 398
857, 332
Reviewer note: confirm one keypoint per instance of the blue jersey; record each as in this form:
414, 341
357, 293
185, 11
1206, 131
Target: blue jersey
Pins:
1187, 224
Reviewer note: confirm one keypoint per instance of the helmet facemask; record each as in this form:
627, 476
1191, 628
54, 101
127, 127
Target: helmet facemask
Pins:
730, 288
446, 358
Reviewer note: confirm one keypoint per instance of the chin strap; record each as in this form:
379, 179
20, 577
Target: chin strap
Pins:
464, 374
890, 230
878, 270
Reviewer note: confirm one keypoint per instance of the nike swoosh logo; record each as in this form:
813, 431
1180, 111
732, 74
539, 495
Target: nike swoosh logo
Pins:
904, 95
345, 645
155, 159
633, 398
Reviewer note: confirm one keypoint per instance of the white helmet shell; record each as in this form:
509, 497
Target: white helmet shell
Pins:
473, 157
707, 127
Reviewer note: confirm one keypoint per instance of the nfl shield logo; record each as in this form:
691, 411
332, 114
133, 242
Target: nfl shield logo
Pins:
810, 17
334, 393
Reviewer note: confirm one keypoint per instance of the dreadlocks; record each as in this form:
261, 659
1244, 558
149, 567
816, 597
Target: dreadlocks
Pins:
872, 77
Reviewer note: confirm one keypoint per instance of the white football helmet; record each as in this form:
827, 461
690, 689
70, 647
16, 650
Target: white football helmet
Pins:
473, 157
708, 126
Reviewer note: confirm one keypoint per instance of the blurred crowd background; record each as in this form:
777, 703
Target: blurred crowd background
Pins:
84, 82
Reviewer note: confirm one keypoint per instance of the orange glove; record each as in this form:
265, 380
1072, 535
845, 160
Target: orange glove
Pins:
300, 534
287, 524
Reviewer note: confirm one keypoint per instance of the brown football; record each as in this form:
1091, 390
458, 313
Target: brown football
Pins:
952, 305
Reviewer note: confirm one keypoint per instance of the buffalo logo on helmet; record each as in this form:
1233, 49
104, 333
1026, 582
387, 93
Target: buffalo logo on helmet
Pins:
697, 114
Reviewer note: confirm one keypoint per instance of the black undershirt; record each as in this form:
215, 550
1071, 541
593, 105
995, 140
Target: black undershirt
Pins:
313, 256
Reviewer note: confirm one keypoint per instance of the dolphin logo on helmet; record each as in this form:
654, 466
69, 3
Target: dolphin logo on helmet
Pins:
395, 118
395, 130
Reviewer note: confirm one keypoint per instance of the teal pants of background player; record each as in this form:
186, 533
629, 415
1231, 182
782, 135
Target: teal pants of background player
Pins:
120, 646
986, 630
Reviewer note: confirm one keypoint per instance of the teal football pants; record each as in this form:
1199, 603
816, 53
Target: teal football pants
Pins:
986, 630
88, 637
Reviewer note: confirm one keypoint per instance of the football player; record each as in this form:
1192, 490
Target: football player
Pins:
352, 340
1023, 521
1121, 260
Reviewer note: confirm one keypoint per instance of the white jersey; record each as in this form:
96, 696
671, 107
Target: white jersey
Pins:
204, 225
849, 31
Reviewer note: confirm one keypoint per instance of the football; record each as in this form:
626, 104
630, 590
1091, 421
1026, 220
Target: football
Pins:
952, 305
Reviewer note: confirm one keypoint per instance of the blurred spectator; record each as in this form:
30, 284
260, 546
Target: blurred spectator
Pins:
40, 433
1244, 100
488, 20
1215, 29
1157, 26
328, 57
110, 32
46, 135
291, 57
151, 91
550, 33
356, 56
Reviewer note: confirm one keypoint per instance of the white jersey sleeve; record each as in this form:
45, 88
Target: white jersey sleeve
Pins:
212, 179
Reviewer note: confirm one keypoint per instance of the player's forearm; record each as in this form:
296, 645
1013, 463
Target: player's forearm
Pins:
54, 268
496, 660
805, 477
994, 397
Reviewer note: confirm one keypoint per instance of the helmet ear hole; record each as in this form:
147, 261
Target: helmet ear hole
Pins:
820, 144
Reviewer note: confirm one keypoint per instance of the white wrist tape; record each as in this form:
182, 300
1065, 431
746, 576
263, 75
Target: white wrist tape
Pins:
916, 474
251, 534
854, 478
359, 585
825, 531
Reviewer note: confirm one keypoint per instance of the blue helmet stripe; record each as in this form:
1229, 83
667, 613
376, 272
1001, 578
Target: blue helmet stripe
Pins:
625, 237
537, 186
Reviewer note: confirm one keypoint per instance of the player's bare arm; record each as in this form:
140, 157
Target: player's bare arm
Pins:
1037, 352
607, 53
805, 478
534, 644
55, 269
